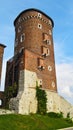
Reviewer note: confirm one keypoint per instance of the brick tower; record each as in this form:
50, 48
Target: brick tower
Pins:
1, 61
33, 59
1, 57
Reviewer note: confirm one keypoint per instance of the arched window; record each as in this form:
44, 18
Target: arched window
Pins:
22, 37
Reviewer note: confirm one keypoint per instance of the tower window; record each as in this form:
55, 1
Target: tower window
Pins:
53, 84
50, 32
49, 68
46, 38
19, 29
40, 82
39, 26
39, 15
41, 64
48, 42
45, 51
22, 38
50, 22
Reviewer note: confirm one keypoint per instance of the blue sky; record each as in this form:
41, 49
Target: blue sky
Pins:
62, 14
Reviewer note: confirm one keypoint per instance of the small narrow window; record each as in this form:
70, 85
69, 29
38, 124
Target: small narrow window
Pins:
49, 68
50, 32
22, 38
41, 64
40, 82
45, 36
19, 29
50, 22
48, 42
39, 15
53, 84
45, 51
46, 39
39, 26
21, 49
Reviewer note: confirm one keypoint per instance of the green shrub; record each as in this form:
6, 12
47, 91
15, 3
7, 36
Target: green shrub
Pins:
42, 100
68, 115
69, 120
55, 115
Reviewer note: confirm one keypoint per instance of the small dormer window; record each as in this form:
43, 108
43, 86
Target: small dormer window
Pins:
45, 51
22, 37
39, 26
39, 15
41, 64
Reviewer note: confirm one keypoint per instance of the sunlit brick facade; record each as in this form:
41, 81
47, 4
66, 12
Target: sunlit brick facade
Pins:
33, 61
33, 49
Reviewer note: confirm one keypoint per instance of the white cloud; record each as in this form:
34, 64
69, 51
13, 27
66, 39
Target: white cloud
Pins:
64, 72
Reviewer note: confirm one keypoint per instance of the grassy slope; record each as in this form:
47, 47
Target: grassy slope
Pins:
31, 122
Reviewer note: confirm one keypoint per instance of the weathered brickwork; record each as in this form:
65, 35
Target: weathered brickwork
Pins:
33, 58
30, 28
33, 35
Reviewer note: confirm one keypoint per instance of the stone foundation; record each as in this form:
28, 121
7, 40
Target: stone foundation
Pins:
3, 112
26, 101
56, 103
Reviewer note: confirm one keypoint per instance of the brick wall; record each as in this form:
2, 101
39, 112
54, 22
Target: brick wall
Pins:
33, 25
1, 57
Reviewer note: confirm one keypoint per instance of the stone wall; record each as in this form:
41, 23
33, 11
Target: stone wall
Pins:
3, 111
57, 103
26, 101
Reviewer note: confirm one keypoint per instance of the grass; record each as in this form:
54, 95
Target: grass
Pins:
31, 122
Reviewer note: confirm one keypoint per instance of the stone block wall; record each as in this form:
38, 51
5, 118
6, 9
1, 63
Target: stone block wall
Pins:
26, 101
